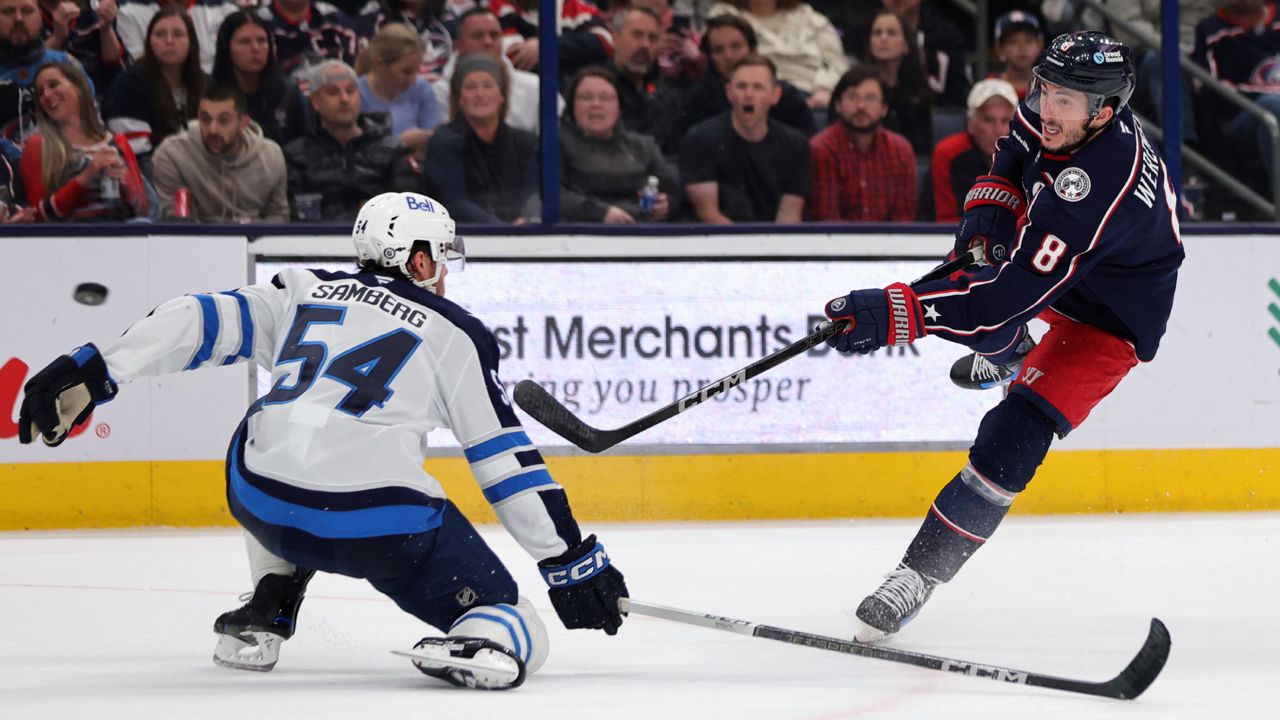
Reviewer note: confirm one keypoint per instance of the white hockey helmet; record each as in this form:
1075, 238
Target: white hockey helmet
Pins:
389, 224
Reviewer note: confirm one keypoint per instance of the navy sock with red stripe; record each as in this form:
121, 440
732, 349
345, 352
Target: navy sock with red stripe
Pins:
958, 523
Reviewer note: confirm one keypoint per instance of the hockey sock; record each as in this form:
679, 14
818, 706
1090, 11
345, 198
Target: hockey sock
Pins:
959, 522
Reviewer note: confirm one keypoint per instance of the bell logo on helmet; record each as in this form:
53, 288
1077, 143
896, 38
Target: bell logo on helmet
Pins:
414, 203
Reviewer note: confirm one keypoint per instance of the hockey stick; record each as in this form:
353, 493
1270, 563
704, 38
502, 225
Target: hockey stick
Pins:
1129, 684
543, 407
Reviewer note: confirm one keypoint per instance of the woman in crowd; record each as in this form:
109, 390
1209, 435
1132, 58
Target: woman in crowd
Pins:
892, 50
480, 167
798, 39
390, 83
604, 168
73, 168
246, 57
157, 97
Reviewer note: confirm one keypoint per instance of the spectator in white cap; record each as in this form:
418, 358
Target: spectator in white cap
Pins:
959, 159
1019, 41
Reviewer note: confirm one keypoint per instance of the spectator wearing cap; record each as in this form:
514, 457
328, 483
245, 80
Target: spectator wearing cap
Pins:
860, 170
483, 169
1019, 43
345, 157
962, 157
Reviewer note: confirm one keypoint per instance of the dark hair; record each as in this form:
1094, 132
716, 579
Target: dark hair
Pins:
473, 12
221, 91
596, 71
757, 61
271, 82
394, 10
782, 4
728, 21
166, 110
857, 75
911, 78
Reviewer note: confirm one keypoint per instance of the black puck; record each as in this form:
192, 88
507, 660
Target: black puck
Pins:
90, 293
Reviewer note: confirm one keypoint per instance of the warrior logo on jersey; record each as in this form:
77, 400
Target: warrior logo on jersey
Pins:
1072, 184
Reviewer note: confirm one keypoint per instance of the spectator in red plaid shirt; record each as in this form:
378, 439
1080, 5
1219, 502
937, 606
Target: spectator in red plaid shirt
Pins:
861, 171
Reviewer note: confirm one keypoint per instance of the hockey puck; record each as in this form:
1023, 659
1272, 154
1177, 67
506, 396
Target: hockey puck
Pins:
90, 293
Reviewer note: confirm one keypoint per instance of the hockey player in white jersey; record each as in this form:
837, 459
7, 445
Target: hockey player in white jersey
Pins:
325, 472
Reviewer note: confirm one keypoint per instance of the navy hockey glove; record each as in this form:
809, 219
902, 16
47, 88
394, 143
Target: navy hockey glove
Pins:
61, 396
891, 316
991, 213
585, 587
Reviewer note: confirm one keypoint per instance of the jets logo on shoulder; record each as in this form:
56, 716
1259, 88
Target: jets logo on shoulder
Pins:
1072, 184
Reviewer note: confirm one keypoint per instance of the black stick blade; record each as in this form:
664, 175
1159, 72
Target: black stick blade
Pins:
543, 407
1146, 665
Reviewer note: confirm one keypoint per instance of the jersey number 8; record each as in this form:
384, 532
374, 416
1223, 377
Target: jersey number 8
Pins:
1050, 252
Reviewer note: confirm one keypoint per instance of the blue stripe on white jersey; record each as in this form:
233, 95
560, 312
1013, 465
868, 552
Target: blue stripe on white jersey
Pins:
209, 331
507, 464
246, 329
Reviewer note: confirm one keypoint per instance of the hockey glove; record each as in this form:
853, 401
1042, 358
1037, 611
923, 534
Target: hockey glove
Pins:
585, 587
991, 213
60, 397
891, 316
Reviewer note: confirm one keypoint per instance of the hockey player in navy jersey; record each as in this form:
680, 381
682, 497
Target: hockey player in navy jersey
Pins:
325, 471
1076, 222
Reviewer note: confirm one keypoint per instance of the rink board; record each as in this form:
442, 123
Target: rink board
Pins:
1195, 430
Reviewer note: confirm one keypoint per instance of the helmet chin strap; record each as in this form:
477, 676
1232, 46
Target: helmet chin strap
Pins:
1088, 135
430, 283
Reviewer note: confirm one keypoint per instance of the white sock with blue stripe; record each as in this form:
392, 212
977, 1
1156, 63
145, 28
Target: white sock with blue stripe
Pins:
514, 626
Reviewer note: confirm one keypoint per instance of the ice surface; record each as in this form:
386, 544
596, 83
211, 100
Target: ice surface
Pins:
118, 625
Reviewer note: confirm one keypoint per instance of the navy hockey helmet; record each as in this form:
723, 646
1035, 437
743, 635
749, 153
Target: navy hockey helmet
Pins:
1093, 63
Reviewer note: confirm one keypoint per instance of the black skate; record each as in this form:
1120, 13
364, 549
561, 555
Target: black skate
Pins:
468, 662
249, 638
893, 604
976, 372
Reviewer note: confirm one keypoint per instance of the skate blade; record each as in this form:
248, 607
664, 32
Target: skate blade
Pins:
260, 655
486, 671
868, 635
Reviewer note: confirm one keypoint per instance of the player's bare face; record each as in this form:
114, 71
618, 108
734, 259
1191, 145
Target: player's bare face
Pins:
752, 91
1064, 116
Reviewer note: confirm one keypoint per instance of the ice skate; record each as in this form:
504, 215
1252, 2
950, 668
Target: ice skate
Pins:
468, 662
893, 604
249, 638
976, 372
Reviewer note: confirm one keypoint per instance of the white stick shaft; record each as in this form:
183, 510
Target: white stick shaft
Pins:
715, 622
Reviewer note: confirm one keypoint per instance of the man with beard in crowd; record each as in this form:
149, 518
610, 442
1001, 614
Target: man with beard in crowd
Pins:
22, 53
232, 172
862, 171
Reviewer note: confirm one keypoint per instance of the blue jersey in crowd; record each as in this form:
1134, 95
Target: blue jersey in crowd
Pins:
1099, 243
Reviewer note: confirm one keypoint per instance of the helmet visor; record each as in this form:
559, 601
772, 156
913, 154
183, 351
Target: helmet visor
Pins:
454, 255
1058, 102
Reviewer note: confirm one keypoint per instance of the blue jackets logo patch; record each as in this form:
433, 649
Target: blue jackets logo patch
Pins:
1072, 184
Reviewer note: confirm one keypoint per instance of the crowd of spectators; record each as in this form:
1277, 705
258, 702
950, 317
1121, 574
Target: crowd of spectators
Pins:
738, 110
